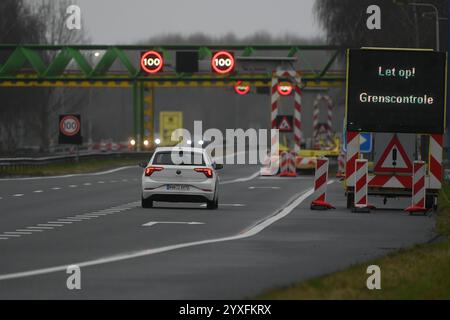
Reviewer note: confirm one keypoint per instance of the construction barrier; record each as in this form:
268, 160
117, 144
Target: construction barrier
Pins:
320, 186
341, 165
295, 75
418, 188
361, 198
284, 167
292, 164
316, 115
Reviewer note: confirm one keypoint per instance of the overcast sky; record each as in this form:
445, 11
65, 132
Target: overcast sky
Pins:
127, 21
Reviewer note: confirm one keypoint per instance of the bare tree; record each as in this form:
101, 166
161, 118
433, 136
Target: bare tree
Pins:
402, 25
52, 17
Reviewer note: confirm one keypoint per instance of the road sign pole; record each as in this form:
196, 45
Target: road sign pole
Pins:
139, 140
135, 111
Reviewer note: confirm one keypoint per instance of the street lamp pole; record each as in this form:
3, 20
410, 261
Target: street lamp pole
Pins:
436, 12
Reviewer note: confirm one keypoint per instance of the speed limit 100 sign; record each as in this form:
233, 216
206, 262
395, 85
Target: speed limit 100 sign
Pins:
222, 62
70, 129
151, 61
69, 125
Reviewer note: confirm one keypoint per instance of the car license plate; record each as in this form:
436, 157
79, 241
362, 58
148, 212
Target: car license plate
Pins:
177, 187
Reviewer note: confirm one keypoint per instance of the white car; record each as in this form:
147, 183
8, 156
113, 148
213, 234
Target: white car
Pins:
180, 174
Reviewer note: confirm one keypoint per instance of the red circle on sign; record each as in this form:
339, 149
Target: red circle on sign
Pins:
241, 89
69, 125
157, 61
222, 62
284, 89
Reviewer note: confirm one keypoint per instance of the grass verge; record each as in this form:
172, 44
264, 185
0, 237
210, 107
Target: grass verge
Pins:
420, 272
84, 166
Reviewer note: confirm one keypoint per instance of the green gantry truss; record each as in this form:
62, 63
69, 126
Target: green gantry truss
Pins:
57, 65
34, 65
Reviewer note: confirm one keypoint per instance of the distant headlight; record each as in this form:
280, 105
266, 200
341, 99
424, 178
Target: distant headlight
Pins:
157, 141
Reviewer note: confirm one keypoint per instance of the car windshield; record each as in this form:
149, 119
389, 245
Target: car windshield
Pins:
179, 158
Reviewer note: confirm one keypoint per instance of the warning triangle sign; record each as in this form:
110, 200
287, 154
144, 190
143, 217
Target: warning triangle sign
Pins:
394, 158
285, 125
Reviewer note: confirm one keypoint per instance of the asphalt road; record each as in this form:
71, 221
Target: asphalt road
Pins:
262, 236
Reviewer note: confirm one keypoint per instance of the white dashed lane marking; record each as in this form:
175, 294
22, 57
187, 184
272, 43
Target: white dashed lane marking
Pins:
45, 228
50, 225
73, 186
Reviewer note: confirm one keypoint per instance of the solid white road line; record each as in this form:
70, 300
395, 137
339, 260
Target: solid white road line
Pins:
274, 188
152, 223
254, 230
57, 222
253, 176
226, 205
48, 225
18, 195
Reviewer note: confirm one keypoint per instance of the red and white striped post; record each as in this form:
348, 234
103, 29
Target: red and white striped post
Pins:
292, 167
341, 165
320, 186
316, 113
418, 188
274, 102
329, 117
297, 115
284, 167
361, 203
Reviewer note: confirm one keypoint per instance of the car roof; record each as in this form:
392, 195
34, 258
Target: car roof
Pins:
159, 149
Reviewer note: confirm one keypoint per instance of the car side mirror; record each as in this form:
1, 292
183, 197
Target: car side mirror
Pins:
218, 166
142, 164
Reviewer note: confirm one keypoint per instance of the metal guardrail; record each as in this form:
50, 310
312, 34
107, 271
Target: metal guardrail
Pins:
8, 163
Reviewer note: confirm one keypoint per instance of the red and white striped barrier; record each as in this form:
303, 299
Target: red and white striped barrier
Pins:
316, 115
297, 117
436, 168
279, 73
292, 165
341, 165
352, 155
361, 201
284, 164
320, 186
288, 168
418, 188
